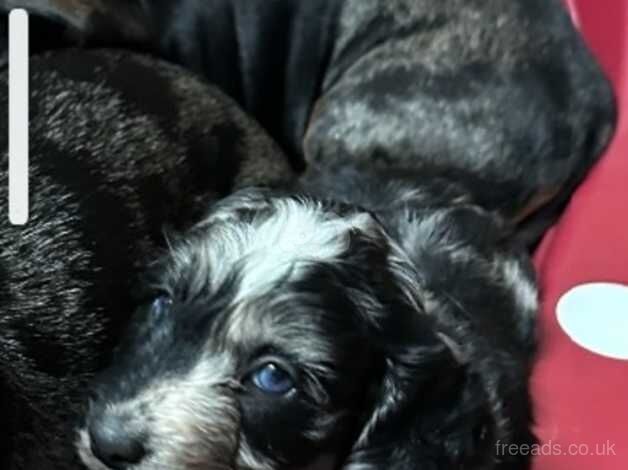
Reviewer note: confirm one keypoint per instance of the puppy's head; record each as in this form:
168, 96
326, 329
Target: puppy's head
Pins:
282, 333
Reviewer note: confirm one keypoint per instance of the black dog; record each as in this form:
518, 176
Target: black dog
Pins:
110, 166
486, 110
360, 321
501, 96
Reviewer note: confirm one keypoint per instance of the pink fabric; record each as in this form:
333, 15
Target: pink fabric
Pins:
581, 399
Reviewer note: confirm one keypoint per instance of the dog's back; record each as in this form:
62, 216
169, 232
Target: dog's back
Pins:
503, 96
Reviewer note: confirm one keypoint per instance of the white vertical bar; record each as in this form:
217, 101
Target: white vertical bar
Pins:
18, 117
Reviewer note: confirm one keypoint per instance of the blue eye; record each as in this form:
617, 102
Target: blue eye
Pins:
161, 305
272, 379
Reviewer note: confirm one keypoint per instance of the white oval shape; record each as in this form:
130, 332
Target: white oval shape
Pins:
595, 316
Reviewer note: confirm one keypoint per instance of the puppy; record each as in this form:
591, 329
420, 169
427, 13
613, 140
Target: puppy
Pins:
110, 165
358, 322
502, 96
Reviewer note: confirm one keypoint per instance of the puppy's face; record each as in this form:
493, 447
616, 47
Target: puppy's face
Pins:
255, 351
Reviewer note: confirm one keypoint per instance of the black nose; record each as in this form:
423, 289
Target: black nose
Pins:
114, 443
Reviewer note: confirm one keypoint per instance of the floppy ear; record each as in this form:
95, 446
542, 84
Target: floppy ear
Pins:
453, 385
412, 408
433, 412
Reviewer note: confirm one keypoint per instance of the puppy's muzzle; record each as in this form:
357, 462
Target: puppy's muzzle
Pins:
114, 442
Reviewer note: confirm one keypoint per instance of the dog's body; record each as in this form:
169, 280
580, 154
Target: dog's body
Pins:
502, 96
109, 166
403, 320
484, 111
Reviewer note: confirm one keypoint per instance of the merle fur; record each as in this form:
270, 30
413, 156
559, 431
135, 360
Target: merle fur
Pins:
111, 164
485, 114
503, 97
413, 348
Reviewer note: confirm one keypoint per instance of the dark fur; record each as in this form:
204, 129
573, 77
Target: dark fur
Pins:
501, 96
488, 112
457, 384
111, 164
412, 346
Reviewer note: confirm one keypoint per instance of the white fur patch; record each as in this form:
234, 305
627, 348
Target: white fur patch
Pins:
272, 247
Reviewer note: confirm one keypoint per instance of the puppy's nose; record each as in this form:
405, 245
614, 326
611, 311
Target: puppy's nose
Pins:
114, 444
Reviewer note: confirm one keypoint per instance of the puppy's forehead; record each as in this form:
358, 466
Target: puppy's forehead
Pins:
273, 244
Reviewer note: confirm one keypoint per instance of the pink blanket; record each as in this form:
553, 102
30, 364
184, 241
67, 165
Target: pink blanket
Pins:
581, 397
